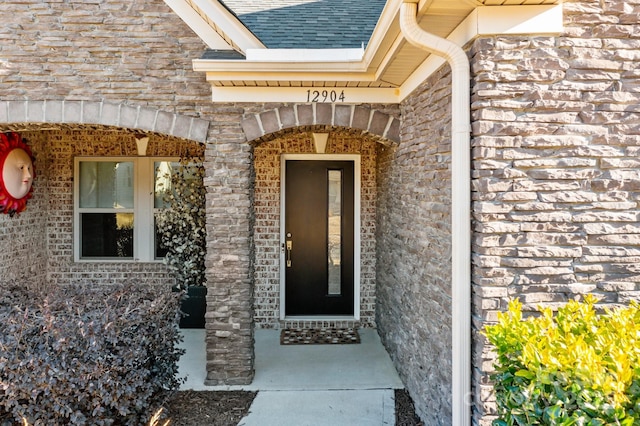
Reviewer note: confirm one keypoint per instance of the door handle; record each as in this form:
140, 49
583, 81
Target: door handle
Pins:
289, 247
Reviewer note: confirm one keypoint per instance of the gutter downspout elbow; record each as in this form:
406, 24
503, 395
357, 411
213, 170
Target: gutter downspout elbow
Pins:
460, 205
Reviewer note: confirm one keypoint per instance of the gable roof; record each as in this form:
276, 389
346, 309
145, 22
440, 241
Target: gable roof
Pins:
246, 60
309, 24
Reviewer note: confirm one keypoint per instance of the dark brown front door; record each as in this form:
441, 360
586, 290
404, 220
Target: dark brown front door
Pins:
319, 237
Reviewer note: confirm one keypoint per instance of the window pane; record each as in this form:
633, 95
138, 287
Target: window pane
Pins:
107, 235
106, 184
160, 250
335, 232
162, 182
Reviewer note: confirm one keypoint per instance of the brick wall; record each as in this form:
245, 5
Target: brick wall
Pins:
414, 249
23, 250
267, 222
38, 243
556, 178
61, 147
128, 52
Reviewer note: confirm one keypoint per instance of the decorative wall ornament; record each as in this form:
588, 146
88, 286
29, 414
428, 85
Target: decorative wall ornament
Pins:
320, 142
16, 173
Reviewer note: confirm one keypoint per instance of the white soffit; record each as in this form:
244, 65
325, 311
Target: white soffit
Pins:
269, 79
490, 20
519, 20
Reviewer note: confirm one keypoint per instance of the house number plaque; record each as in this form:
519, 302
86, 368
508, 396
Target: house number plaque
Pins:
316, 96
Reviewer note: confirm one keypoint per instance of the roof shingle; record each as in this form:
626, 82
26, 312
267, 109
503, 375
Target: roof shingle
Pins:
309, 24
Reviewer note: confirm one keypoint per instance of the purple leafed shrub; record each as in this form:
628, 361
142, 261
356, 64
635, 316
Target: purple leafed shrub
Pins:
81, 355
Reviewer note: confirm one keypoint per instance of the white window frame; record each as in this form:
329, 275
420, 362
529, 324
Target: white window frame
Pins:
143, 209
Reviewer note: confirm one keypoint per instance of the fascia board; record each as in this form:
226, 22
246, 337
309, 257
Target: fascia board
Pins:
388, 17
387, 60
310, 76
198, 25
229, 24
243, 67
305, 55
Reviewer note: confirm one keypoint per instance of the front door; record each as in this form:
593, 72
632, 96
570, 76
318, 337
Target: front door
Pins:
319, 238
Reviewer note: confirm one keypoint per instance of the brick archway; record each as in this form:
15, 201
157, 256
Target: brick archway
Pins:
230, 279
14, 115
368, 120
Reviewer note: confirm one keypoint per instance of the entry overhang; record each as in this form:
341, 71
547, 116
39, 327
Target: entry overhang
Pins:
387, 71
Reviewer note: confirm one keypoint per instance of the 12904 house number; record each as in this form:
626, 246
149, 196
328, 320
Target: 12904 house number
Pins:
325, 96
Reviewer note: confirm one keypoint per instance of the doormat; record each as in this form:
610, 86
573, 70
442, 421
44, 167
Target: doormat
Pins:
323, 336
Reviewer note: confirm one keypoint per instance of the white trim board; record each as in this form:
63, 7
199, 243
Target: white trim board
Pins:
198, 24
218, 24
303, 94
357, 183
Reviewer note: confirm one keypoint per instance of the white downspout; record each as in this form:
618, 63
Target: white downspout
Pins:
460, 205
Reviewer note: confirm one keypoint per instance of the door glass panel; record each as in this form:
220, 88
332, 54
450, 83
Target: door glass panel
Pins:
335, 232
106, 184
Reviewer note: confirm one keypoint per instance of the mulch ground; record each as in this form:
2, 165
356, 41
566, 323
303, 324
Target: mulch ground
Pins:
200, 408
405, 410
203, 408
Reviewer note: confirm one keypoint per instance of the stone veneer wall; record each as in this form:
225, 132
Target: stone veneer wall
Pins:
556, 169
133, 51
267, 223
414, 249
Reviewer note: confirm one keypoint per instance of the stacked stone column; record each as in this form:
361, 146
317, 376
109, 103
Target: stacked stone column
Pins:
229, 264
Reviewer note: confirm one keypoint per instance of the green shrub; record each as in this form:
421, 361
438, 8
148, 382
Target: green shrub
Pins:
577, 367
87, 356
182, 223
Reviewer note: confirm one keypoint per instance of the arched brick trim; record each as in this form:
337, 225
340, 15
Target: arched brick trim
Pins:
366, 119
105, 114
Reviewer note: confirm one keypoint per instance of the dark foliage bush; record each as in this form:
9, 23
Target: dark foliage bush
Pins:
87, 356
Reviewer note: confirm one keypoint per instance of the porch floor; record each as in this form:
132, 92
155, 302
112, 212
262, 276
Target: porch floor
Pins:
308, 384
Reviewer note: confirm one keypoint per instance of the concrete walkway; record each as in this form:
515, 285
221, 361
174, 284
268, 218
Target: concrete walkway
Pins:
314, 385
